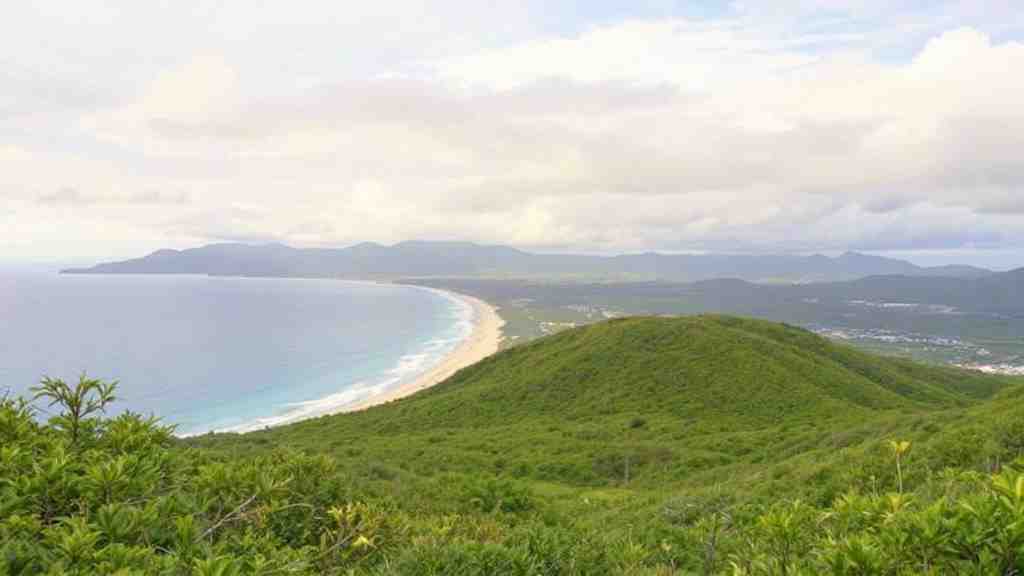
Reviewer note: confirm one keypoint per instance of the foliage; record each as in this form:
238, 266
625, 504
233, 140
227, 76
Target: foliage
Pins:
78, 403
752, 448
84, 495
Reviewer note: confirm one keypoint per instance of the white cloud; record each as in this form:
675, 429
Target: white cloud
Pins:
691, 56
745, 132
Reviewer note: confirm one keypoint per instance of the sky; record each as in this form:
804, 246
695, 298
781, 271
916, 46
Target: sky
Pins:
799, 126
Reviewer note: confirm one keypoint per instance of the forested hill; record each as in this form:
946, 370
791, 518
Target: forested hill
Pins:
639, 446
437, 259
705, 388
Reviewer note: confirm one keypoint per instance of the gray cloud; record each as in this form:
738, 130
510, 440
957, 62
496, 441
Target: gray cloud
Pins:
68, 196
739, 132
26, 91
982, 152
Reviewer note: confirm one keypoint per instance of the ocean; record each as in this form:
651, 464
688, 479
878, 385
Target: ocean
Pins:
209, 353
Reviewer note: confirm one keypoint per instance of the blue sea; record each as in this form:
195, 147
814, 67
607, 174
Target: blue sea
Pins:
206, 353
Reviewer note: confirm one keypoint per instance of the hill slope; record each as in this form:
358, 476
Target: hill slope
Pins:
704, 366
690, 396
643, 446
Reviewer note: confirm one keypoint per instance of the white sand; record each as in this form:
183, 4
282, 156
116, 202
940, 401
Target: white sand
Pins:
484, 341
481, 343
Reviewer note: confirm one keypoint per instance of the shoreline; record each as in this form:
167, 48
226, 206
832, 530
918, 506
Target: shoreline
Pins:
484, 340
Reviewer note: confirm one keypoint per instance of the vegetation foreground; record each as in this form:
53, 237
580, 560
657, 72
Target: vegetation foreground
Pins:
703, 445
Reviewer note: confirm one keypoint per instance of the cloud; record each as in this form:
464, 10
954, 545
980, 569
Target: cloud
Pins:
30, 92
738, 131
73, 197
529, 155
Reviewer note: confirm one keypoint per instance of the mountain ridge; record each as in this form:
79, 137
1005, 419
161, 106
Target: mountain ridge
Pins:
418, 258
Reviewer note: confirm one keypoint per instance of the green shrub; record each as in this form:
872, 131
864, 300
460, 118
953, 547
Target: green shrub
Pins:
498, 495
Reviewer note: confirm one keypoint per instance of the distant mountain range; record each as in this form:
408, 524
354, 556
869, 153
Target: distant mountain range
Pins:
997, 295
986, 312
464, 259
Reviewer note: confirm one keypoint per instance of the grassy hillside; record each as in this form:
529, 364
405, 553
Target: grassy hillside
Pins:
706, 444
681, 396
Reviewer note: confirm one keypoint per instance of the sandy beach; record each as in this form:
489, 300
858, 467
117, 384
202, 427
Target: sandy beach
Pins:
481, 343
484, 341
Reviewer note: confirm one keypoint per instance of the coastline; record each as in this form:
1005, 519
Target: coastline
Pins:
484, 340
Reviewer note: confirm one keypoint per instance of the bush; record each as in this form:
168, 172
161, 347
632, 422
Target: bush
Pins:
87, 495
84, 494
498, 495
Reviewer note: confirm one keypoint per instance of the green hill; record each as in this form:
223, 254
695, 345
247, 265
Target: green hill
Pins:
751, 372
657, 446
688, 395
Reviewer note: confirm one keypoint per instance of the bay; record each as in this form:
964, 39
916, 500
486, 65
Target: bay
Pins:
207, 353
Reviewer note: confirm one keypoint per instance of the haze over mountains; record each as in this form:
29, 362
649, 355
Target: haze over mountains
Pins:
447, 259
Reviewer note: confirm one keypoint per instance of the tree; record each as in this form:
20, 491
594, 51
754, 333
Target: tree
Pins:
77, 403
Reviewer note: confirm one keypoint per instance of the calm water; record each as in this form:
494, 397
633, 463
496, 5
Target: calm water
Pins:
223, 353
